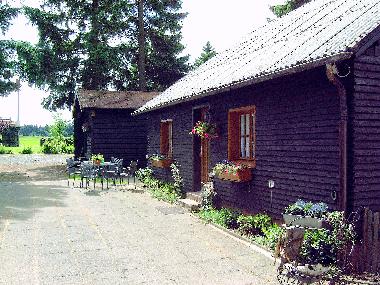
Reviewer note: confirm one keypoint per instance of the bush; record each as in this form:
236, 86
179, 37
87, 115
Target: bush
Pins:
224, 217
270, 236
56, 146
26, 150
3, 150
254, 225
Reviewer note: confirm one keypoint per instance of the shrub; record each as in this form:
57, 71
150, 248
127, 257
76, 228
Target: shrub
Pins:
56, 146
254, 225
224, 217
208, 196
270, 236
26, 150
3, 150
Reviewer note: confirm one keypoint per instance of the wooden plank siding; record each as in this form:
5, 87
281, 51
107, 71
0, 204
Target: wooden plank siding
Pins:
365, 131
117, 133
297, 146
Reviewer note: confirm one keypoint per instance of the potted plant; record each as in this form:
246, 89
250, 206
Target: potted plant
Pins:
305, 214
204, 130
232, 171
97, 158
160, 161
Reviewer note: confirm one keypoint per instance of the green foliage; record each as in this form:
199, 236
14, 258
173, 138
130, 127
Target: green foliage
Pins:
323, 245
208, 196
224, 217
254, 225
300, 207
177, 178
290, 5
7, 50
34, 130
165, 191
98, 156
57, 143
4, 150
95, 46
207, 52
26, 150
270, 236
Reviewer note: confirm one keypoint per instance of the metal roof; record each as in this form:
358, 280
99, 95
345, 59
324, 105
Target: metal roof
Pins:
113, 99
317, 33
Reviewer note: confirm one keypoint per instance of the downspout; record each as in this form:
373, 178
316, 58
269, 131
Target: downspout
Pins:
333, 77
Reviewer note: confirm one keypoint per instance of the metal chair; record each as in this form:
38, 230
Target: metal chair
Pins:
132, 168
110, 172
88, 172
73, 169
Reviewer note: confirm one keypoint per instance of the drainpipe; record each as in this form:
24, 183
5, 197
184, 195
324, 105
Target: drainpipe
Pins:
333, 77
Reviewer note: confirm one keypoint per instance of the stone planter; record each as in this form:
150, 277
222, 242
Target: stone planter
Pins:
242, 175
314, 270
162, 163
303, 221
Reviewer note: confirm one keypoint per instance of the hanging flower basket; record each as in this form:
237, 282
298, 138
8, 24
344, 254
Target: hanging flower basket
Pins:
231, 171
160, 161
204, 130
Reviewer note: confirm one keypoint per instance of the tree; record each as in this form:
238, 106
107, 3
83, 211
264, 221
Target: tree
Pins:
7, 61
95, 45
290, 5
207, 52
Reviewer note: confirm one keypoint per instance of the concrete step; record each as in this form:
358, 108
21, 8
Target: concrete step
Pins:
196, 196
189, 204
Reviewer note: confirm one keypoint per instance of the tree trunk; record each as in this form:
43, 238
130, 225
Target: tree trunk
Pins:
141, 40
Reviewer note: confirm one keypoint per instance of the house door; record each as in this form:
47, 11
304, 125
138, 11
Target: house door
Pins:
201, 151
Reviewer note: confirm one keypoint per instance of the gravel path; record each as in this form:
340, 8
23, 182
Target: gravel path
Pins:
52, 234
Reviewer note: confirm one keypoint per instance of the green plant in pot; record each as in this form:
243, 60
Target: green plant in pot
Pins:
97, 158
306, 214
160, 160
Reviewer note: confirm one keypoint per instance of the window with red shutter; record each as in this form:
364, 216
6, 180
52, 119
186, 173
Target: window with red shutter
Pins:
166, 144
242, 135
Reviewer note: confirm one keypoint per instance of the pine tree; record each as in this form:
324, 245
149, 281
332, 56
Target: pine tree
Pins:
290, 5
7, 63
207, 52
95, 45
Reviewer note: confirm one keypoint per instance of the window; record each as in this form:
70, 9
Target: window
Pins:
166, 138
242, 135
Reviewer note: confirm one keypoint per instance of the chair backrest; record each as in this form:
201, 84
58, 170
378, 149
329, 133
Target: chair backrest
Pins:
133, 166
87, 169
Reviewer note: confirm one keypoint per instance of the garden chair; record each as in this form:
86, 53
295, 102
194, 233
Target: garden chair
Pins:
73, 169
111, 172
88, 172
132, 168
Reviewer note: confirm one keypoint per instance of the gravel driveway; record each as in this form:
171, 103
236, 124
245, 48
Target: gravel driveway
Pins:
52, 234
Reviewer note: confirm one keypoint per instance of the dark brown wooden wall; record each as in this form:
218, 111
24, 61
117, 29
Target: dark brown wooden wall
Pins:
117, 133
365, 128
297, 141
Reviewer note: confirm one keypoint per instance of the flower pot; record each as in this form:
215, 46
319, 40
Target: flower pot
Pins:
97, 161
242, 175
303, 221
162, 163
313, 270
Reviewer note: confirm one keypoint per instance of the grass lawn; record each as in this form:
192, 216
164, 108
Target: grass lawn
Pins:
27, 141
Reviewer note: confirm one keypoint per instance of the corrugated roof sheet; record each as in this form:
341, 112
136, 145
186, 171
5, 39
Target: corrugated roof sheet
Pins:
319, 32
113, 99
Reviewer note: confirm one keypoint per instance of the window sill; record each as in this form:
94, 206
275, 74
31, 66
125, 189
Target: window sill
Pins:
248, 163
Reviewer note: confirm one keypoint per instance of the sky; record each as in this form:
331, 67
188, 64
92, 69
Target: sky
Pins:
223, 23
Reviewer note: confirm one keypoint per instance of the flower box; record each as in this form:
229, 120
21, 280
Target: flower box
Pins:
303, 221
241, 175
162, 163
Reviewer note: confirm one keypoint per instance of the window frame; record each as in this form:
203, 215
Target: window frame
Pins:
235, 135
169, 138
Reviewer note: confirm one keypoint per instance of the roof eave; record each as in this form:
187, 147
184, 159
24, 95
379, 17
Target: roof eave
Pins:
235, 85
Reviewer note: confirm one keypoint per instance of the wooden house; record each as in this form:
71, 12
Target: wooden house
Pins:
103, 124
297, 101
